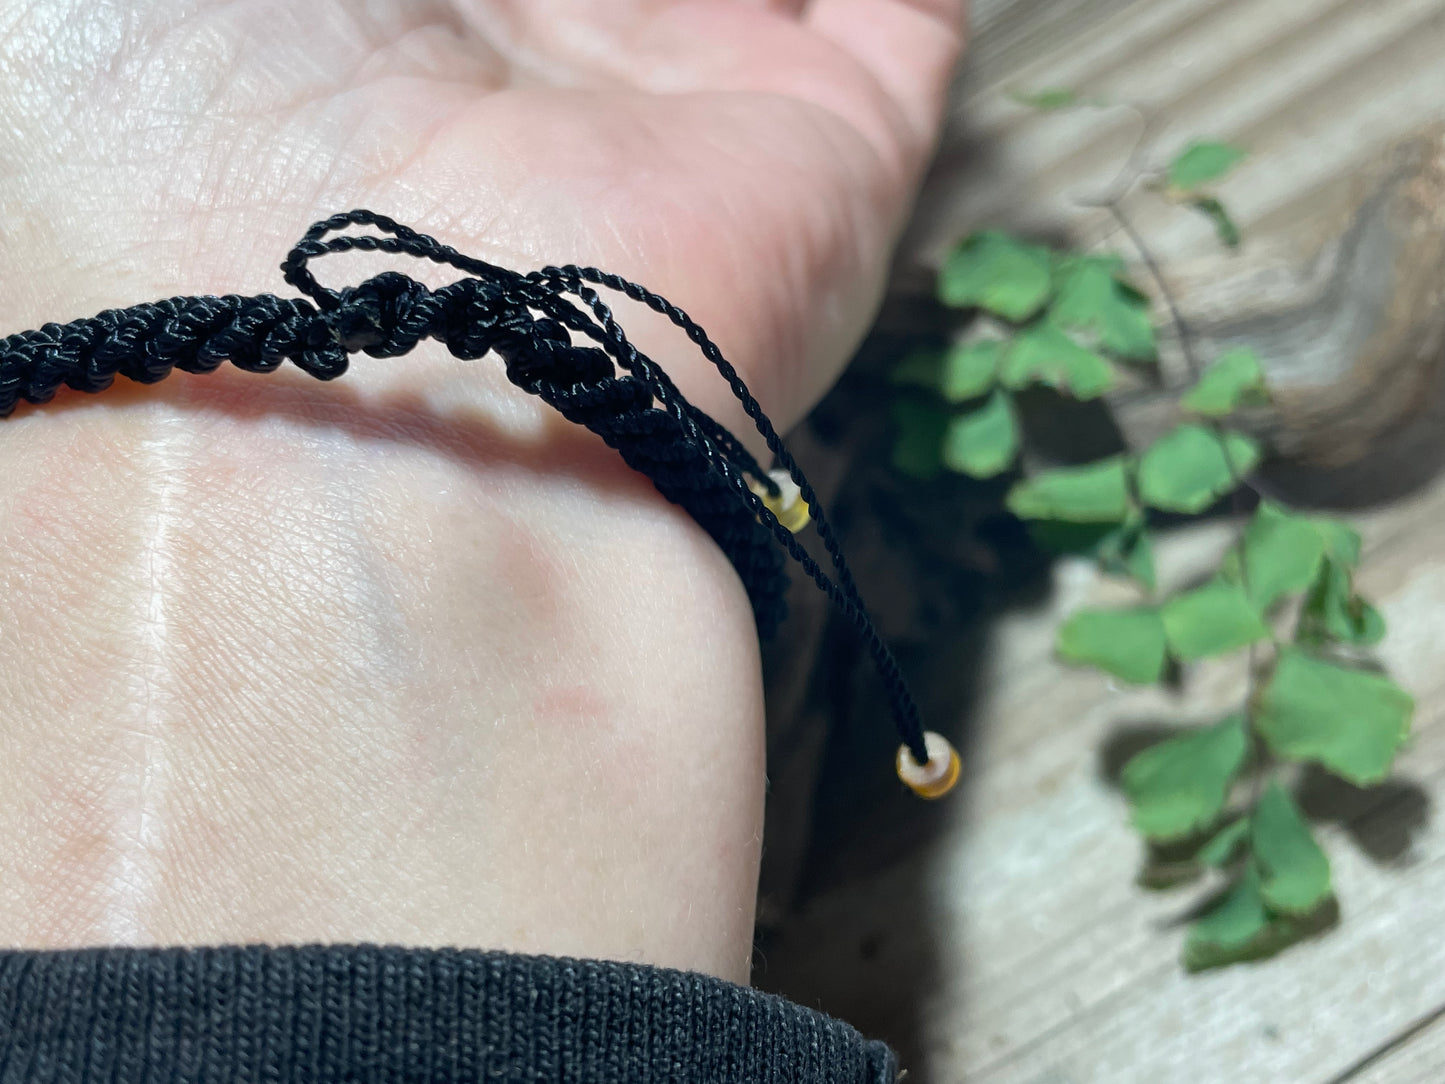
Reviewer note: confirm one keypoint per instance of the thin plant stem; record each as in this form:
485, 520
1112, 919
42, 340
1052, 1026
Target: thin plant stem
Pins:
1181, 329
1112, 201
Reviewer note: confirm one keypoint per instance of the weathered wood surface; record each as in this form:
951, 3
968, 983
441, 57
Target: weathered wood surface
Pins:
1340, 283
1015, 946
1416, 1059
1000, 937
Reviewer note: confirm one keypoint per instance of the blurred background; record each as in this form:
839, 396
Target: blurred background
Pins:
1002, 935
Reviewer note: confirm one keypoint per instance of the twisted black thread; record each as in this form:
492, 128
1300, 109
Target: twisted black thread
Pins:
693, 461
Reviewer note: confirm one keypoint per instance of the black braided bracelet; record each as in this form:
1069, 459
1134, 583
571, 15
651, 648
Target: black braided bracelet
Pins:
694, 461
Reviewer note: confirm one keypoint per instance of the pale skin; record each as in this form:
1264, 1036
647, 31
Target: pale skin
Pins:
406, 658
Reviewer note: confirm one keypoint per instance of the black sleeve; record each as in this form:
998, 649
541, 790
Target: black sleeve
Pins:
327, 1014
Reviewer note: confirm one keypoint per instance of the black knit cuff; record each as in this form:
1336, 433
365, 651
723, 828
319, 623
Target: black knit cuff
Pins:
363, 1013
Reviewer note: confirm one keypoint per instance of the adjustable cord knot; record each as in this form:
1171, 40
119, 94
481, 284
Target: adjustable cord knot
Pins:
385, 316
474, 316
365, 316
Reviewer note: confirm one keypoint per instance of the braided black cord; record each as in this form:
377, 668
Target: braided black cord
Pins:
692, 459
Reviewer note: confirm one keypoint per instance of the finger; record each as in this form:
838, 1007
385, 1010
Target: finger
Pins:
909, 46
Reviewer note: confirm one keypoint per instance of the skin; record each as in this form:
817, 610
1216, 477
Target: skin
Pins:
407, 658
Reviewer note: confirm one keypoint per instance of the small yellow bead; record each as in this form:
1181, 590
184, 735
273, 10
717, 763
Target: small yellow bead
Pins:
788, 505
938, 776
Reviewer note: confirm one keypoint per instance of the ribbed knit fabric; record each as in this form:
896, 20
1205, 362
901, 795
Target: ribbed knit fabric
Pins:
372, 1013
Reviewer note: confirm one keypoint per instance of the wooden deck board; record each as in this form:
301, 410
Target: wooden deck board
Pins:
1313, 87
1415, 1057
1014, 946
1056, 967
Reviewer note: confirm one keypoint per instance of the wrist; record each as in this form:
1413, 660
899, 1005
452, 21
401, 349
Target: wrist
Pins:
286, 671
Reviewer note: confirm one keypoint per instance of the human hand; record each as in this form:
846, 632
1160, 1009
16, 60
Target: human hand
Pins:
408, 658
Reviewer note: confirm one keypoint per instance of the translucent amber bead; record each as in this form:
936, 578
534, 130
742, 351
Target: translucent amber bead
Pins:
788, 505
935, 778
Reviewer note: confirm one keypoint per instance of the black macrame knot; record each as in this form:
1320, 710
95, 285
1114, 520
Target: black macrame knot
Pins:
557, 339
366, 315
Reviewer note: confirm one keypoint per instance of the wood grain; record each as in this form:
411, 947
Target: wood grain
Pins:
1056, 967
1000, 937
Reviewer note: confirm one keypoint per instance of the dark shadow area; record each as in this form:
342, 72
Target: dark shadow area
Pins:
1382, 820
1317, 921
1128, 741
1065, 432
936, 562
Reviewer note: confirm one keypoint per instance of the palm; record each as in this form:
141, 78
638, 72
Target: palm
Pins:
750, 163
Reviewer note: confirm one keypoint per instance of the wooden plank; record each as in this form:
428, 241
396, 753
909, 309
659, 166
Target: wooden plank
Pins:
1298, 1019
1042, 940
1416, 1056
1014, 948
1324, 93
1042, 955
1313, 87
